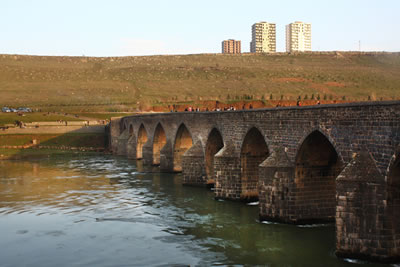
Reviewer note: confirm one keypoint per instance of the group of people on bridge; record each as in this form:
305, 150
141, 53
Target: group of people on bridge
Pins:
173, 108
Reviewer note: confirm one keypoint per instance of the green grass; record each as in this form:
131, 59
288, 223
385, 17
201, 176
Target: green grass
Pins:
82, 84
10, 118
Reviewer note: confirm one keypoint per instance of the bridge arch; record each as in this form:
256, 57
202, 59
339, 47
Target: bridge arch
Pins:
159, 141
327, 136
317, 165
183, 141
214, 144
141, 140
253, 152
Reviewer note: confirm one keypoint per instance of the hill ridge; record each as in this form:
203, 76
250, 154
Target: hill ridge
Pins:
128, 83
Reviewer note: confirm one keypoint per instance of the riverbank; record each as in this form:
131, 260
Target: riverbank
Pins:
34, 153
32, 143
86, 140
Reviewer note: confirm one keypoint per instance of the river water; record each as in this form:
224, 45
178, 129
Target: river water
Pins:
102, 210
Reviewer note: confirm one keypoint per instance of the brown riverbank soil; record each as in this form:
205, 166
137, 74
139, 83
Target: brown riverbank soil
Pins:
255, 104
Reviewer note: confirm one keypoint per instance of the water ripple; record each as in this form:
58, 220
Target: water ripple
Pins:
108, 211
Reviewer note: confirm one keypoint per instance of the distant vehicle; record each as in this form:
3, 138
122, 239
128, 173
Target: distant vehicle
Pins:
23, 109
6, 109
13, 110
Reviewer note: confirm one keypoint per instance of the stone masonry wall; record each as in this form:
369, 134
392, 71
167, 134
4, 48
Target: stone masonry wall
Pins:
277, 189
361, 210
227, 174
361, 225
193, 166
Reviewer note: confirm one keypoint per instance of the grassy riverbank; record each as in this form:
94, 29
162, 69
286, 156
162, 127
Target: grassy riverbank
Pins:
21, 154
10, 118
83, 84
81, 140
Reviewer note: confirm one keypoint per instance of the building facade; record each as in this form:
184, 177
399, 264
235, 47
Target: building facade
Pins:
263, 38
298, 37
231, 47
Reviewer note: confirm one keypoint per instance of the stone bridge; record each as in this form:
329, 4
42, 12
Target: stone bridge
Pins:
336, 163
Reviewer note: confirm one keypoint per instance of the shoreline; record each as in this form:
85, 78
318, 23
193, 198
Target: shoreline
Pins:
42, 153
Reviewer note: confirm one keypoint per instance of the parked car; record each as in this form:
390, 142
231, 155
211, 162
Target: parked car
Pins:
6, 109
23, 109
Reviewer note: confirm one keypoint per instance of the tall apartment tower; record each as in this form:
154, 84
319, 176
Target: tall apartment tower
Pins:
231, 47
298, 37
263, 37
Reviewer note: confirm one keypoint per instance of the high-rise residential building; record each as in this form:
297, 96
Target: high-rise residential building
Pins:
263, 38
231, 47
298, 37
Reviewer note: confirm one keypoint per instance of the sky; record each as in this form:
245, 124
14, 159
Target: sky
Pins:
154, 27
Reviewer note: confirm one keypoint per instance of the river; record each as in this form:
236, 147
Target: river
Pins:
102, 210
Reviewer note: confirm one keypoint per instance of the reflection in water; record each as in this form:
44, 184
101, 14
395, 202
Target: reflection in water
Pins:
108, 211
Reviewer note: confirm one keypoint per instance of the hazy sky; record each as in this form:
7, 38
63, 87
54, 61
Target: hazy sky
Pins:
123, 28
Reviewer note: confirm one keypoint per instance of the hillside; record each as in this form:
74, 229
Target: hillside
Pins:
126, 83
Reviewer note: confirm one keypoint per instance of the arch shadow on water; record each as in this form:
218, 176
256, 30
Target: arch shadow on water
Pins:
135, 206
